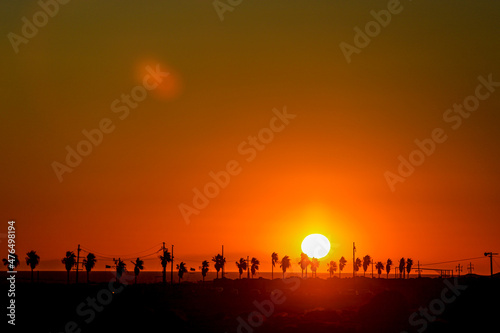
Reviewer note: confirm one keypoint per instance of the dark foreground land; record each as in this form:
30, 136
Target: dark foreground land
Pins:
292, 305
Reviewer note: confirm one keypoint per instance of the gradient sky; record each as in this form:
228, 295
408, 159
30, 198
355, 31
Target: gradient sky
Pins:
324, 173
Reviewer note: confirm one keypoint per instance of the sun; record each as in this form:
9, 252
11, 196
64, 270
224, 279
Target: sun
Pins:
316, 246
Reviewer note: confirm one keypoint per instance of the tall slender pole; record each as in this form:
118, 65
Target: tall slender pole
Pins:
222, 276
164, 270
77, 262
248, 268
471, 267
353, 260
172, 267
418, 268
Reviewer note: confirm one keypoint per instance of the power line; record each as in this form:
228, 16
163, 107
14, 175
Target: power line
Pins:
450, 261
124, 255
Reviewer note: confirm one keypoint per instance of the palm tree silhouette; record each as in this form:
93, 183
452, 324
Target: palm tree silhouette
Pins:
89, 263
304, 262
11, 263
204, 269
254, 266
332, 267
401, 267
379, 266
219, 263
120, 268
242, 266
138, 267
342, 263
69, 261
357, 265
32, 260
388, 267
366, 263
314, 266
409, 264
285, 264
182, 269
274, 261
165, 258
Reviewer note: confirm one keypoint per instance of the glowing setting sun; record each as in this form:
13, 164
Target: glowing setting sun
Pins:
316, 246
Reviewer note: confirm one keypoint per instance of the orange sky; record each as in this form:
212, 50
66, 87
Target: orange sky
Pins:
323, 173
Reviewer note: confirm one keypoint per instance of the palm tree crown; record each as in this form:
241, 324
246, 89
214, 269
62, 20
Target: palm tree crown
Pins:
366, 263
69, 261
409, 264
219, 263
379, 266
286, 263
204, 269
342, 263
182, 270
138, 267
332, 267
388, 267
254, 266
32, 260
242, 266
274, 261
89, 263
11, 263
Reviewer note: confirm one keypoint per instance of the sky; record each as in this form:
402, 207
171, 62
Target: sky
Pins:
301, 113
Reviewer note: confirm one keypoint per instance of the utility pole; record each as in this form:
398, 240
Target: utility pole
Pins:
490, 254
248, 268
172, 267
164, 273
470, 268
77, 262
459, 269
353, 259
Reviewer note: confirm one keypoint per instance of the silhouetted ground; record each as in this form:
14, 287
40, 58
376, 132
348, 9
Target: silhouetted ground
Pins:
260, 305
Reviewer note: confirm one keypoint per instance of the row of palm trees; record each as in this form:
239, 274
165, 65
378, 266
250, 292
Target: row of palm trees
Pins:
69, 261
405, 266
243, 265
32, 260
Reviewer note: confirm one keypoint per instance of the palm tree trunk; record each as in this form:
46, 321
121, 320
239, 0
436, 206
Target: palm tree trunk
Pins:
68, 278
135, 282
32, 275
272, 272
88, 277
